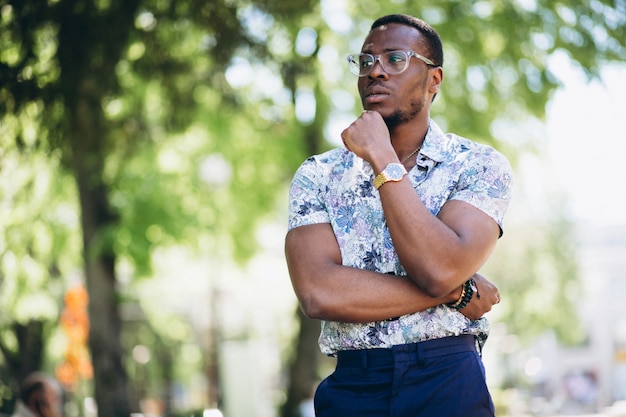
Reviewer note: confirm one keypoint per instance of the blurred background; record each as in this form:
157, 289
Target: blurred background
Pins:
146, 150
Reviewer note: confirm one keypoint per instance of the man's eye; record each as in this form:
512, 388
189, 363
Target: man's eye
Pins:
395, 58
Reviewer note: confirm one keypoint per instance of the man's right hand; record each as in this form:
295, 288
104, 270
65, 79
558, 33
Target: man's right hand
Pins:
483, 300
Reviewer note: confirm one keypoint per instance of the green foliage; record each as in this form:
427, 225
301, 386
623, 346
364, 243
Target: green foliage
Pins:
39, 248
164, 151
39, 234
537, 273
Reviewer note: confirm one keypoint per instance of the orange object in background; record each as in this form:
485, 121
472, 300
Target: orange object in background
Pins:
75, 324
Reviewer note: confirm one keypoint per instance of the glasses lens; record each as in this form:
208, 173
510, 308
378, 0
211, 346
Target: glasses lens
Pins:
360, 64
395, 62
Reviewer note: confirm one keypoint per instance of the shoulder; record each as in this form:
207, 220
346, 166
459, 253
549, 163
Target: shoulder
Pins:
324, 164
480, 153
484, 166
452, 148
330, 158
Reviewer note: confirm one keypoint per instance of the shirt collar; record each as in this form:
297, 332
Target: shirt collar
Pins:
436, 144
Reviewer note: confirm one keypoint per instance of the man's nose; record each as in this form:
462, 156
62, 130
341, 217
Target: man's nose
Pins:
377, 70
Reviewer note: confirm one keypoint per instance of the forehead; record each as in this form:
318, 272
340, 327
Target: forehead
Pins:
390, 37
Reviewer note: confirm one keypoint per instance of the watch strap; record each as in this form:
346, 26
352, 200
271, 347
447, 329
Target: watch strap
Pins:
385, 175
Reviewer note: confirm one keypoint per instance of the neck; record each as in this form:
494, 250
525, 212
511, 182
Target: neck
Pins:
407, 138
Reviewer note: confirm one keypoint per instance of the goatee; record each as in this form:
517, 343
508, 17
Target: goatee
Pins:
399, 117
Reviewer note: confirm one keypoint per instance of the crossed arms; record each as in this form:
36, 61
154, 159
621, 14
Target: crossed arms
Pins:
328, 290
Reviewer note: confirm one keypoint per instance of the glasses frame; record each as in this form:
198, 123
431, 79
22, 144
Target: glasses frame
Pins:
353, 58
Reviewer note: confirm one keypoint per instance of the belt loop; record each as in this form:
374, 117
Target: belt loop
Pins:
364, 359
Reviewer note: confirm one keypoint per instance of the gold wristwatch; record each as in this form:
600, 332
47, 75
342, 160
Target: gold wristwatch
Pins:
392, 172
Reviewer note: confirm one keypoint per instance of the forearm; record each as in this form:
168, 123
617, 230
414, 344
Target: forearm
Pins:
439, 252
359, 296
330, 291
414, 230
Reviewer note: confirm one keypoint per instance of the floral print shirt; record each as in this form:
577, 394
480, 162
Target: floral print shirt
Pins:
336, 187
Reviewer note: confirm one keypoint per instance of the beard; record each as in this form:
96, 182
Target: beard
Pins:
401, 116
404, 115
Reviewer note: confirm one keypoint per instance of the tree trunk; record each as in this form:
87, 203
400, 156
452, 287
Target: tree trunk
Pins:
111, 381
112, 388
303, 367
27, 358
91, 43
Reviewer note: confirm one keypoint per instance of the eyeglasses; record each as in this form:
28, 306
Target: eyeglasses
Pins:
393, 62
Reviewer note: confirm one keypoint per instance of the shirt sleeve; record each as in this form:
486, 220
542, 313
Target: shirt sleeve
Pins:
486, 184
305, 203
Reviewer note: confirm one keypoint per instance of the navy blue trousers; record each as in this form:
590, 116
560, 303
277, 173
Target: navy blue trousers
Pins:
436, 378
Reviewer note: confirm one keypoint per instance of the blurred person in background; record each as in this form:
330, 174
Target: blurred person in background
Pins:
40, 396
385, 238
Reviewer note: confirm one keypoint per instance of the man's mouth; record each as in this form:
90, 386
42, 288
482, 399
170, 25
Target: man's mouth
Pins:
375, 95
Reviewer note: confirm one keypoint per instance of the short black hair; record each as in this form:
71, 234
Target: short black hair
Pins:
433, 41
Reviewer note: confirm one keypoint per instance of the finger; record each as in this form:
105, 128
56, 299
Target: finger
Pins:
344, 135
367, 113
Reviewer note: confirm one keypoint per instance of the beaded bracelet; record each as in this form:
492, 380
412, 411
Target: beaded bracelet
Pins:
460, 300
469, 287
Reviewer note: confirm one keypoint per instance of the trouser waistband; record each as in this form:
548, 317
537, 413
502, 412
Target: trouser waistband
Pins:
413, 352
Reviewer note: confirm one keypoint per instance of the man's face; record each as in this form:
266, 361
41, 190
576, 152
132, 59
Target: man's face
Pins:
45, 402
399, 98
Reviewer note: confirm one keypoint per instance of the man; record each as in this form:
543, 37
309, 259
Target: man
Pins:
40, 396
384, 234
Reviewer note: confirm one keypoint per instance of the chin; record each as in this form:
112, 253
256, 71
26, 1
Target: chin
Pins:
394, 119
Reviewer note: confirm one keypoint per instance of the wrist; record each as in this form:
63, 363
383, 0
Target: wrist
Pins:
454, 295
381, 159
467, 291
393, 172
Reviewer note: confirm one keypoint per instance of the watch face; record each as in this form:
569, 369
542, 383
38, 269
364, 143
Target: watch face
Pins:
392, 172
395, 171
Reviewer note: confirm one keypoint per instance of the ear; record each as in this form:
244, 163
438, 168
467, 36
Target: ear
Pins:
435, 80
